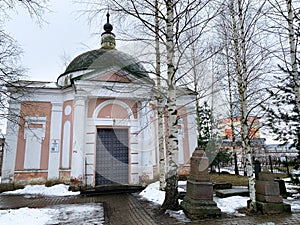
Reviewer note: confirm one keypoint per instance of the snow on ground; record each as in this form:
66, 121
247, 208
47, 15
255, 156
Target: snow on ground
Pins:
230, 205
227, 205
294, 199
153, 194
179, 215
56, 190
62, 214
81, 214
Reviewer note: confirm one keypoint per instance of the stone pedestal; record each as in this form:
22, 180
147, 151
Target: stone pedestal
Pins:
198, 202
268, 198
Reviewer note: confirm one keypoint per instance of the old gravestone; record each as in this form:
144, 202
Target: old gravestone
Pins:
268, 198
198, 202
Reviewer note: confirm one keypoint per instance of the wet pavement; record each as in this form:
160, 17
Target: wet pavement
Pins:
120, 209
127, 209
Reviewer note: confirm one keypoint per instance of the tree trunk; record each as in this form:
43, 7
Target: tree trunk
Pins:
160, 109
293, 51
236, 169
241, 68
243, 101
171, 197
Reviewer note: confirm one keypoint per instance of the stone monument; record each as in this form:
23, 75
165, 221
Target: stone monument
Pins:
268, 198
198, 202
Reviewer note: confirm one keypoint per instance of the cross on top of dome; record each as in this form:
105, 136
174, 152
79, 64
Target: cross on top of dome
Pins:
108, 27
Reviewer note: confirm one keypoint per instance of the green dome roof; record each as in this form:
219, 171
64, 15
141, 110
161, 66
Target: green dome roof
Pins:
105, 59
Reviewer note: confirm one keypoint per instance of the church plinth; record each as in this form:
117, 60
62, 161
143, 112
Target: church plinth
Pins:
198, 202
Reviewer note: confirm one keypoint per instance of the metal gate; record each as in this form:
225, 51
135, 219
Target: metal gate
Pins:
112, 156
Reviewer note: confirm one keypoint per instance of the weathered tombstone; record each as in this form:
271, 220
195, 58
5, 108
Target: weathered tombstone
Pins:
282, 188
257, 169
271, 166
287, 166
198, 202
268, 198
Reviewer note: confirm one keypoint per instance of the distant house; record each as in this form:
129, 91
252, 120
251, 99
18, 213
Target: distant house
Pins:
279, 152
225, 126
96, 125
262, 151
256, 142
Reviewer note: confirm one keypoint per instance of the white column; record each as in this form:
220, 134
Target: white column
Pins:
192, 130
145, 140
180, 142
10, 149
55, 135
78, 154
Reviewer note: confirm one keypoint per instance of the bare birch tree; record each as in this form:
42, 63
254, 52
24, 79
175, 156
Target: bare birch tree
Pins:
248, 67
11, 70
284, 112
174, 19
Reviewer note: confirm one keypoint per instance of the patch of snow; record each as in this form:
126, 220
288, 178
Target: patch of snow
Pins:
290, 187
179, 215
227, 205
85, 214
295, 172
56, 190
230, 171
153, 194
230, 205
182, 183
25, 216
63, 214
295, 204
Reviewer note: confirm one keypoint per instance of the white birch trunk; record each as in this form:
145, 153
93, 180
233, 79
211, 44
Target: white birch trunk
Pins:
171, 197
293, 51
241, 68
160, 108
243, 101
231, 103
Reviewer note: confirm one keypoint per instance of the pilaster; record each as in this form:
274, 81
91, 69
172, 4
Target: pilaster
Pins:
55, 148
78, 153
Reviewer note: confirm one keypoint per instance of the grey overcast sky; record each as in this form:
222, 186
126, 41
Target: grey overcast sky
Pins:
45, 47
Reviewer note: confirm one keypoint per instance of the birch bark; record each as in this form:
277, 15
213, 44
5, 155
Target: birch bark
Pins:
241, 68
160, 109
171, 197
293, 51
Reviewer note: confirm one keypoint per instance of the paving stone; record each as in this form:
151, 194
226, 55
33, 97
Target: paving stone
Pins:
125, 209
119, 209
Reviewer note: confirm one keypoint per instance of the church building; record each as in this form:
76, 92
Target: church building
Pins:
96, 125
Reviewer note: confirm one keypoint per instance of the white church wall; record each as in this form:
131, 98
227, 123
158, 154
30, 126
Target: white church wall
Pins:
66, 145
10, 150
147, 141
34, 137
78, 154
192, 130
55, 136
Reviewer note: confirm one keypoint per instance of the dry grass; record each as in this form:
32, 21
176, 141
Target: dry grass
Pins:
229, 178
236, 180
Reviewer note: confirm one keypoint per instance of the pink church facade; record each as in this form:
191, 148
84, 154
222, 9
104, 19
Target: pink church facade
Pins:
96, 125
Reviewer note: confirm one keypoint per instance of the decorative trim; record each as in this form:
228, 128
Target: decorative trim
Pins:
116, 102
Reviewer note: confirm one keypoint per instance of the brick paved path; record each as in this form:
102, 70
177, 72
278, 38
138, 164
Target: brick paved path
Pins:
293, 219
125, 209
120, 209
